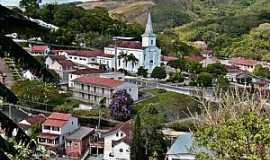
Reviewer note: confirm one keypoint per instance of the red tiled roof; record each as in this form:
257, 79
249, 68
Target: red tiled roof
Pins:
110, 83
60, 116
125, 127
39, 48
36, 119
84, 53
128, 44
48, 136
107, 55
168, 58
54, 123
87, 71
57, 57
242, 61
194, 58
65, 63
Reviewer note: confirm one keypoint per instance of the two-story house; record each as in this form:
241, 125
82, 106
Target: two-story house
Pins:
61, 66
117, 142
243, 64
54, 130
77, 144
94, 89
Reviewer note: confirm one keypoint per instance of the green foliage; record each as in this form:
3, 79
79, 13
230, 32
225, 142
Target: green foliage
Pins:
173, 105
178, 64
159, 72
105, 112
35, 130
216, 69
138, 151
205, 79
151, 131
93, 27
194, 67
261, 71
254, 45
176, 78
142, 72
223, 82
245, 137
167, 14
31, 7
37, 94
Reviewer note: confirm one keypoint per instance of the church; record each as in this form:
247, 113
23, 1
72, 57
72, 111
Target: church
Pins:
144, 53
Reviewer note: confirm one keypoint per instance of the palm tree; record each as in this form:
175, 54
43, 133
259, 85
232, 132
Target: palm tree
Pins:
123, 56
133, 60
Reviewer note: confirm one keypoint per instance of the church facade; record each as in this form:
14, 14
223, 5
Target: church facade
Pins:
146, 52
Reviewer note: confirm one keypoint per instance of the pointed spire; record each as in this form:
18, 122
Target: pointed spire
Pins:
149, 27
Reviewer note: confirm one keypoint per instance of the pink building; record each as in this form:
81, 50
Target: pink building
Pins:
77, 144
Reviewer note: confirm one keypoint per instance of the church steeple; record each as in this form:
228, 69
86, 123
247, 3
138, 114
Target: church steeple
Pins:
149, 27
149, 38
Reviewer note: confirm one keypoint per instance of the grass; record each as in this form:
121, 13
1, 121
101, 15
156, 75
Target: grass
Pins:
174, 105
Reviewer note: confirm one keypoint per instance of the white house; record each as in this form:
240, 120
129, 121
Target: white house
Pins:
54, 130
83, 57
27, 124
28, 75
117, 142
61, 66
94, 89
147, 53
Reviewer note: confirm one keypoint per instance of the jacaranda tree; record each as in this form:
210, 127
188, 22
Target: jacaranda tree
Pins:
121, 105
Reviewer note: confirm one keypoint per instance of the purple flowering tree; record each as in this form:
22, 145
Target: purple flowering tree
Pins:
121, 105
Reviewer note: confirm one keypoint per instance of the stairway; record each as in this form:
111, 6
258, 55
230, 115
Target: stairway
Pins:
9, 80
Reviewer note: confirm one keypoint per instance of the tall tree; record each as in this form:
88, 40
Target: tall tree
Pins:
137, 148
121, 105
31, 7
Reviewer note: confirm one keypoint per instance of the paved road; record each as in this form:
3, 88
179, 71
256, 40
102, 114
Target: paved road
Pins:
9, 80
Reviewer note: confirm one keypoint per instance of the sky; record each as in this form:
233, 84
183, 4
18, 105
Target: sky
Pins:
16, 2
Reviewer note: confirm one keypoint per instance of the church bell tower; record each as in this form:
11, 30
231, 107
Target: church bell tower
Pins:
149, 38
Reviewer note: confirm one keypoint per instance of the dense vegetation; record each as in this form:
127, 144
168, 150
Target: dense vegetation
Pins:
77, 26
230, 28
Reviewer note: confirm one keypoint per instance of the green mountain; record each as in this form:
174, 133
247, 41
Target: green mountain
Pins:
224, 25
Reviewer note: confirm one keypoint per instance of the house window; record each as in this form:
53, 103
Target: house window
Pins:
117, 134
81, 59
55, 128
119, 62
95, 98
49, 141
42, 140
75, 57
129, 89
70, 57
121, 134
102, 90
120, 150
56, 140
82, 86
68, 143
127, 150
47, 127
93, 59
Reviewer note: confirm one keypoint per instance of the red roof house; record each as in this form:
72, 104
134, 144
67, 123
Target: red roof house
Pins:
242, 61
105, 82
38, 48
